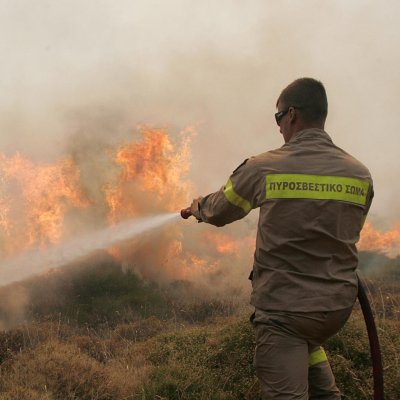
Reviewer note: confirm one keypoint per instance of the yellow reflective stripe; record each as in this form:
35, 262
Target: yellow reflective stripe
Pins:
235, 199
316, 357
299, 186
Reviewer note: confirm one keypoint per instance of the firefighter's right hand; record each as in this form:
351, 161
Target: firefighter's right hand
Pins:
195, 209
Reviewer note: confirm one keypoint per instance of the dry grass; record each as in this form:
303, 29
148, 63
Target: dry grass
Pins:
151, 359
42, 362
61, 371
201, 351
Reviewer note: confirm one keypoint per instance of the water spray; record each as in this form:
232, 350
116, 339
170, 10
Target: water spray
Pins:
37, 261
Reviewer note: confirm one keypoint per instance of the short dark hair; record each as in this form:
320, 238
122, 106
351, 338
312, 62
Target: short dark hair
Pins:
309, 96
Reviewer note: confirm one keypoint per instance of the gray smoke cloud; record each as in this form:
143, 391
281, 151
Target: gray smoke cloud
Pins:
77, 77
86, 73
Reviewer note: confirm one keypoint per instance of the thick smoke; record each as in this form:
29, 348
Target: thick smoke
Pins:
79, 78
93, 71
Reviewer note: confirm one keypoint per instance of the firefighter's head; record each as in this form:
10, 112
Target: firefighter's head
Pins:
301, 105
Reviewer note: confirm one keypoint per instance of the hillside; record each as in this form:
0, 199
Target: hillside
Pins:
100, 333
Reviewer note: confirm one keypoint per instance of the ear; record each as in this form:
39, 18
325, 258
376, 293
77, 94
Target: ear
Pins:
292, 114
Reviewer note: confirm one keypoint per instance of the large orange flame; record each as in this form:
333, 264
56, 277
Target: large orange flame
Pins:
375, 240
34, 199
152, 175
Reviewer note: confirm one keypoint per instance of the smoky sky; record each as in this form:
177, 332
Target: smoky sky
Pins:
95, 69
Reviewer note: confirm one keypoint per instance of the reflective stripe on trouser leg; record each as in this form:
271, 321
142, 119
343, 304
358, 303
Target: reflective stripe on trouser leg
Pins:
283, 354
321, 382
317, 357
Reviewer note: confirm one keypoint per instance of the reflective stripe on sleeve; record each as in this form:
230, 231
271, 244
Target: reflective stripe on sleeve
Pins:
316, 357
319, 187
235, 199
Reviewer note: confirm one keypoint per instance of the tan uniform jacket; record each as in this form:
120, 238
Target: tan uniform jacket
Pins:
313, 199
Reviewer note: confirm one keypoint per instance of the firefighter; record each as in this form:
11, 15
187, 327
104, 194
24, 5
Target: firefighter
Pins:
313, 199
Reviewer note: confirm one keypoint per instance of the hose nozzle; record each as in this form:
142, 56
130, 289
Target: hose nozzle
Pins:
186, 213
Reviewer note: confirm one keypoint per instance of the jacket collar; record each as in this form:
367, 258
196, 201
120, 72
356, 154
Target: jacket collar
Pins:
310, 133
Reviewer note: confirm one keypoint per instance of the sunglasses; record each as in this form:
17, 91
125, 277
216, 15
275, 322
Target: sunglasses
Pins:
279, 115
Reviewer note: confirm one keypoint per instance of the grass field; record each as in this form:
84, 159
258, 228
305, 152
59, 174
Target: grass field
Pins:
99, 333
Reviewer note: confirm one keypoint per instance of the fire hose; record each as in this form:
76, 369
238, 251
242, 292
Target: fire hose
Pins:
377, 368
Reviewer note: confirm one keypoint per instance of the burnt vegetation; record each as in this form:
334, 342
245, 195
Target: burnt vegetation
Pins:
94, 331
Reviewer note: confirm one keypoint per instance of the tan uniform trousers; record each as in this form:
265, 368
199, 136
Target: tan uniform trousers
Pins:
289, 362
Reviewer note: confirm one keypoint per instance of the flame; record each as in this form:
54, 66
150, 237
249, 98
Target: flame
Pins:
152, 178
224, 244
37, 199
376, 240
144, 176
34, 199
156, 168
214, 255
